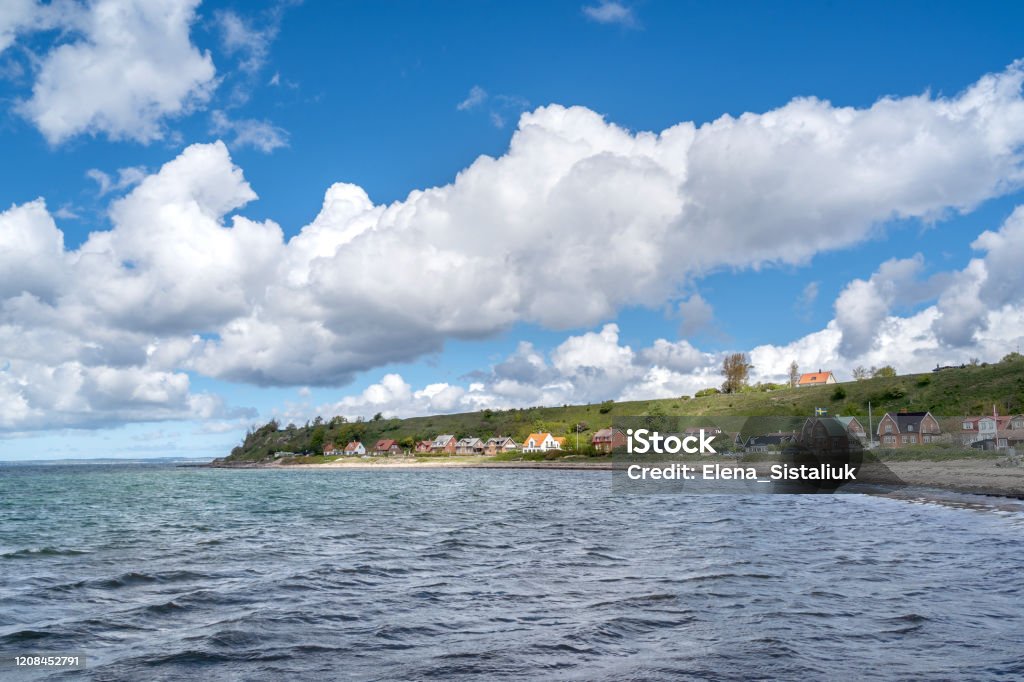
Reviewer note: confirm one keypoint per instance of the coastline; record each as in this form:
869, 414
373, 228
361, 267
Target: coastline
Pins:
968, 476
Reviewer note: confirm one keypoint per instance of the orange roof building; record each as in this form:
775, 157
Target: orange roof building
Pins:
818, 378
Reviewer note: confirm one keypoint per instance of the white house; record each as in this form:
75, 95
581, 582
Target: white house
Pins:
542, 442
998, 431
355, 448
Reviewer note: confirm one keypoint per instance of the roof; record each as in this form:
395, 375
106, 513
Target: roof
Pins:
770, 439
558, 439
538, 438
442, 440
469, 442
606, 434
1001, 420
384, 444
904, 420
834, 426
812, 378
500, 440
354, 445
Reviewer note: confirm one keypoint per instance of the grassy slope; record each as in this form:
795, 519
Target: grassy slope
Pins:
954, 392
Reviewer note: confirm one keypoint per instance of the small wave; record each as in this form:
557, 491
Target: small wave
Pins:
25, 636
132, 578
166, 607
199, 656
41, 551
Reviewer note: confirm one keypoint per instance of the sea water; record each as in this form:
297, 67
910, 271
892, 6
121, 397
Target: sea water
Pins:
157, 572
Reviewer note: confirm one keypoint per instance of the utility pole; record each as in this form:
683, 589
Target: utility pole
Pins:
871, 430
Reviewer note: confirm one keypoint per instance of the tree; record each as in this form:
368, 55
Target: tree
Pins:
1012, 357
377, 417
736, 369
860, 373
794, 374
886, 371
316, 443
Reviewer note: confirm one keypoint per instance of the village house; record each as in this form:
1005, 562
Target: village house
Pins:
818, 378
387, 446
444, 443
355, 448
827, 434
330, 450
854, 428
500, 444
423, 446
768, 442
832, 433
993, 432
606, 440
542, 442
469, 446
900, 429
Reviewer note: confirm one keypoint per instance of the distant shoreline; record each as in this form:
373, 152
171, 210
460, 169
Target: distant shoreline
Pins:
969, 476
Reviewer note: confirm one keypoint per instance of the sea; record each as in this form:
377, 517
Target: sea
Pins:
158, 572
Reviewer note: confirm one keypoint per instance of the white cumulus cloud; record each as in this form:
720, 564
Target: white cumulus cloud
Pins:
129, 66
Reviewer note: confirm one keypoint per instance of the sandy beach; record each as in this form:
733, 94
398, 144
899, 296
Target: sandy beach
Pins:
979, 476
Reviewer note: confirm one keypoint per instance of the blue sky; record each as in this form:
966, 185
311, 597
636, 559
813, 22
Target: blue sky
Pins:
381, 95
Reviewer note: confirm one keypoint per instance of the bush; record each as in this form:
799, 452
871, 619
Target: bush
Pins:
839, 393
924, 381
607, 406
894, 393
706, 392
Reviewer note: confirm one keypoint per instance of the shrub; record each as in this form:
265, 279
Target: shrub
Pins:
894, 393
607, 406
839, 393
706, 392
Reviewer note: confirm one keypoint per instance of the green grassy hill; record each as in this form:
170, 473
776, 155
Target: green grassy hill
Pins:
952, 392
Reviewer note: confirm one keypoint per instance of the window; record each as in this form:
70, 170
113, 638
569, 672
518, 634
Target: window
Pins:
906, 439
910, 427
1018, 424
888, 427
968, 426
890, 439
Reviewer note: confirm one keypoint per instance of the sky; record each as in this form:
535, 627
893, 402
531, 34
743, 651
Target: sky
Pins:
214, 214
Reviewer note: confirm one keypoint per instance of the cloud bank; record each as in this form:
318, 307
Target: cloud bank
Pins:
578, 219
